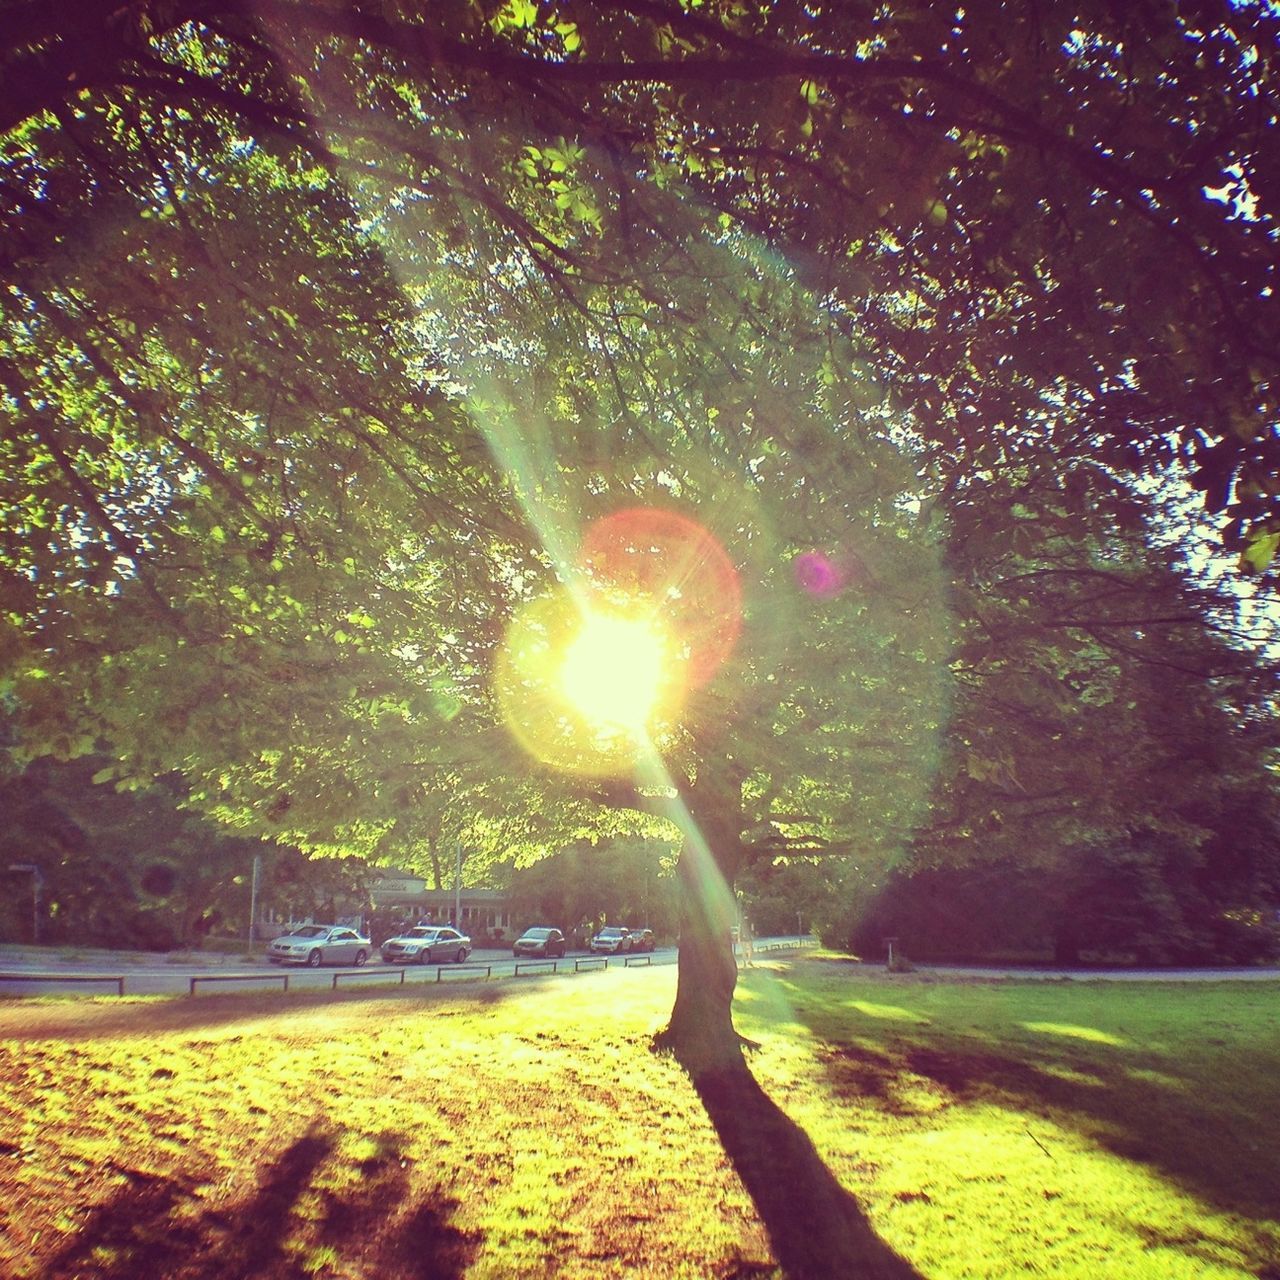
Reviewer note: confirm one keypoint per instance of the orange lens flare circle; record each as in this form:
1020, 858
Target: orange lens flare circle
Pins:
591, 680
681, 570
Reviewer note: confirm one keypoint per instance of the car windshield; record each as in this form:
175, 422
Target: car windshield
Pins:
612, 933
309, 931
420, 932
537, 933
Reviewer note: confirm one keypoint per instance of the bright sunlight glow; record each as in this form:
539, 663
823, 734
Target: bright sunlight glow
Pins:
613, 671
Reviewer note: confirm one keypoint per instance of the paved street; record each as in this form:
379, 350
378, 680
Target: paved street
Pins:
96, 972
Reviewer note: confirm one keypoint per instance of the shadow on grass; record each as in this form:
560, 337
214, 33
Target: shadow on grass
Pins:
77, 1018
817, 1228
1199, 1121
157, 1228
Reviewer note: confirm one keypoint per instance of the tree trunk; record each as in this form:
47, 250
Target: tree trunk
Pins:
701, 1033
436, 882
1066, 945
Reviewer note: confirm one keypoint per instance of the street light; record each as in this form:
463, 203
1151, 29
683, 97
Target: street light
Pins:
37, 880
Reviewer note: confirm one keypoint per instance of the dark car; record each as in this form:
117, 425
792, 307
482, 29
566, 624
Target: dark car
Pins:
641, 939
317, 944
539, 941
427, 944
612, 940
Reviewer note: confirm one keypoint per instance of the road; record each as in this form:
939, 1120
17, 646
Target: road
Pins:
148, 974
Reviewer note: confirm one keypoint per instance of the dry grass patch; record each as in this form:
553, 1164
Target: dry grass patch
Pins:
375, 1136
1080, 1131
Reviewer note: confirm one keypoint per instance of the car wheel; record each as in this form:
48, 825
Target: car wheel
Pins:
424, 956
361, 957
314, 959
461, 957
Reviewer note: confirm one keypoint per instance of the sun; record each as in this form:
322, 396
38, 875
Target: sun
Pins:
595, 676
614, 671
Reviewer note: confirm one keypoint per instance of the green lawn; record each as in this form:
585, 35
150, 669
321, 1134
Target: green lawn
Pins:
492, 1130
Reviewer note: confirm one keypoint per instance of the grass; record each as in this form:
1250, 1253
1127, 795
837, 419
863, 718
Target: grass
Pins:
987, 1129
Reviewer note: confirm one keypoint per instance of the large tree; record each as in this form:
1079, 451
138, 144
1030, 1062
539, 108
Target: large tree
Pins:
329, 330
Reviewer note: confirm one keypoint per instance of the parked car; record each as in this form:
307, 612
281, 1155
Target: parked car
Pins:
317, 944
539, 941
427, 944
612, 940
641, 939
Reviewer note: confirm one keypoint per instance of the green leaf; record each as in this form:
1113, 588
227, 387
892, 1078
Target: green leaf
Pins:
1260, 552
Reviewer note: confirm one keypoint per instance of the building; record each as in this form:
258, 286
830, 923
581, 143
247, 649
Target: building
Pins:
404, 897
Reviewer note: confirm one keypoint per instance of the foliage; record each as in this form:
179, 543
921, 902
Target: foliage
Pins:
1021, 214
1109, 780
780, 896
127, 869
581, 888
329, 330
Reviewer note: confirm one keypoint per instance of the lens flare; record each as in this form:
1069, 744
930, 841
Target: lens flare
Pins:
825, 574
589, 686
818, 574
613, 670
682, 569
593, 680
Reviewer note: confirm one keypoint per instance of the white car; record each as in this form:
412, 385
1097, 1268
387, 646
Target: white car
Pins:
427, 944
317, 944
612, 940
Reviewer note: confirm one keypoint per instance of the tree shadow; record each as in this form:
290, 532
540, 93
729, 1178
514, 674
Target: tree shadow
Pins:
817, 1229
79, 1018
149, 1232
1183, 1125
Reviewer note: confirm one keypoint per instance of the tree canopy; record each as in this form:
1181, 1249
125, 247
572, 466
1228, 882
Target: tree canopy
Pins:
333, 333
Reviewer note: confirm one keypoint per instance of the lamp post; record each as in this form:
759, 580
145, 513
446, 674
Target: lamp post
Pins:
457, 888
253, 895
37, 881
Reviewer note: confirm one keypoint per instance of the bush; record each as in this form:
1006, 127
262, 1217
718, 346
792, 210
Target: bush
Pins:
1245, 937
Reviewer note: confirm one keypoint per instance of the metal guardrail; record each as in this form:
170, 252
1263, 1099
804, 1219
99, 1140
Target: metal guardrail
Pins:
118, 979
590, 962
441, 970
534, 966
238, 977
757, 947
627, 961
376, 972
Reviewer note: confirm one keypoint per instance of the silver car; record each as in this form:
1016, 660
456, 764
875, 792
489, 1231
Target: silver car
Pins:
317, 944
427, 944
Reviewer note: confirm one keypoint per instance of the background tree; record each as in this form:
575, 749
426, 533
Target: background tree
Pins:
1110, 775
127, 869
628, 882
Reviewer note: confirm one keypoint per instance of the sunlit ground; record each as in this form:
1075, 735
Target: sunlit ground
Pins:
525, 1128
